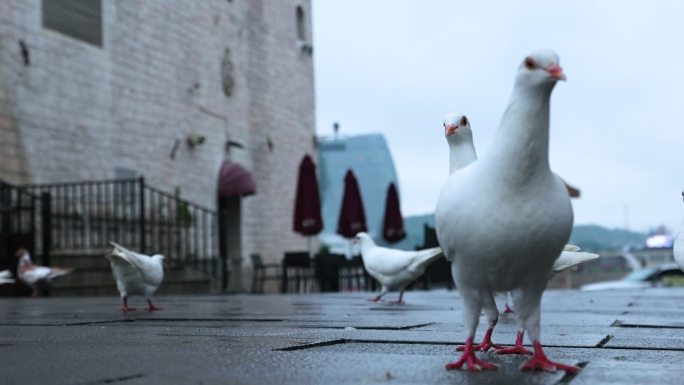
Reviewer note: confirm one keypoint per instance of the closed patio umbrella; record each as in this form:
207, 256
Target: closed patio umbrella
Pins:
393, 223
352, 215
307, 211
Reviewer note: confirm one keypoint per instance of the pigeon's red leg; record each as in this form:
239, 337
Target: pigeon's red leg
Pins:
518, 348
485, 345
508, 309
470, 359
400, 301
124, 308
539, 361
151, 307
378, 298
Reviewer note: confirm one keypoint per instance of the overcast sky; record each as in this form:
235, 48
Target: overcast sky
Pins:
399, 66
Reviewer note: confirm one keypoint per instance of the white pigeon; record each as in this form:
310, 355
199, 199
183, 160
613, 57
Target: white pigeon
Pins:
36, 276
6, 277
459, 136
136, 274
678, 247
503, 221
394, 269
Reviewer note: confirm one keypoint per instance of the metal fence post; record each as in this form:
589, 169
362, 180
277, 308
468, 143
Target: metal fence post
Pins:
46, 226
141, 186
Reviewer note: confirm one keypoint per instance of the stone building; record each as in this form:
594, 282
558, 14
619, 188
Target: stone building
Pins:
93, 89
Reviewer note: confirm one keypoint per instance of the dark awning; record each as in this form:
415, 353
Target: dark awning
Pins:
234, 180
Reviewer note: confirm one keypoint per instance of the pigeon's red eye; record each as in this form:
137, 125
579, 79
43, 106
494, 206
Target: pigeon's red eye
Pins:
530, 64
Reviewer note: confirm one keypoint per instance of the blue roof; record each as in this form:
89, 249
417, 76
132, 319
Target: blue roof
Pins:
369, 158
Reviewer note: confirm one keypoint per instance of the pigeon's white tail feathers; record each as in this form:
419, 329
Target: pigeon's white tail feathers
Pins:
426, 257
570, 247
5, 274
571, 258
58, 272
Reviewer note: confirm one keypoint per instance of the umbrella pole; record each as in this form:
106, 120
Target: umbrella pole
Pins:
308, 245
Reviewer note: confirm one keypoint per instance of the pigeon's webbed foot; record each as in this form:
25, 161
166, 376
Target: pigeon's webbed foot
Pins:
400, 301
124, 306
485, 345
470, 359
518, 348
375, 299
151, 307
540, 362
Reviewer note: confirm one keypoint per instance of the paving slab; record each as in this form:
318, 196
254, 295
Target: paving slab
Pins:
618, 337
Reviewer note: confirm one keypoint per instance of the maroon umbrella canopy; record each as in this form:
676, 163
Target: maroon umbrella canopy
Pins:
307, 212
393, 222
352, 217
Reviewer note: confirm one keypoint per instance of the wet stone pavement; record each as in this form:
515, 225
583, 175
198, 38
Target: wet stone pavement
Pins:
618, 337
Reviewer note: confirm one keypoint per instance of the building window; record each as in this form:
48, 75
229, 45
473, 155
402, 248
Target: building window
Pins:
301, 24
81, 19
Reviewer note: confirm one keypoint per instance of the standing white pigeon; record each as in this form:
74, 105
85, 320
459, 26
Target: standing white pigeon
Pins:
394, 269
459, 136
502, 221
136, 274
36, 276
678, 248
6, 277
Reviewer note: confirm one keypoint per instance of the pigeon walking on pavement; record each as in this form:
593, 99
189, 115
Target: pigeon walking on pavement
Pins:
35, 276
6, 277
678, 247
394, 269
503, 221
459, 136
136, 274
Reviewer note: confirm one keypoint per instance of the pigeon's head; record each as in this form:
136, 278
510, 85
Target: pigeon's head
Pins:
540, 68
363, 239
20, 252
457, 127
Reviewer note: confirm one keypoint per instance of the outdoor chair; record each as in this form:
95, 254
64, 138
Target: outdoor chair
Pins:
260, 273
298, 273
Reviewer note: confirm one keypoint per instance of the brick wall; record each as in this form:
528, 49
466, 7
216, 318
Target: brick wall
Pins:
79, 111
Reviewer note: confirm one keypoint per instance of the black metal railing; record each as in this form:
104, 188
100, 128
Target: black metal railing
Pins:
17, 220
88, 215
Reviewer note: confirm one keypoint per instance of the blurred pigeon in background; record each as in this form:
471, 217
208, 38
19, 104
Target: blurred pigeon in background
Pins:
6, 277
35, 276
394, 269
136, 274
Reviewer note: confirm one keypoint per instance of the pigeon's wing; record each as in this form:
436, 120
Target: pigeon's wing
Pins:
390, 262
141, 261
571, 258
35, 274
570, 247
128, 278
425, 257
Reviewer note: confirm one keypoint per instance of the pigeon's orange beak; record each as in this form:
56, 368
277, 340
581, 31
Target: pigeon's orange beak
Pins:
556, 72
450, 129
